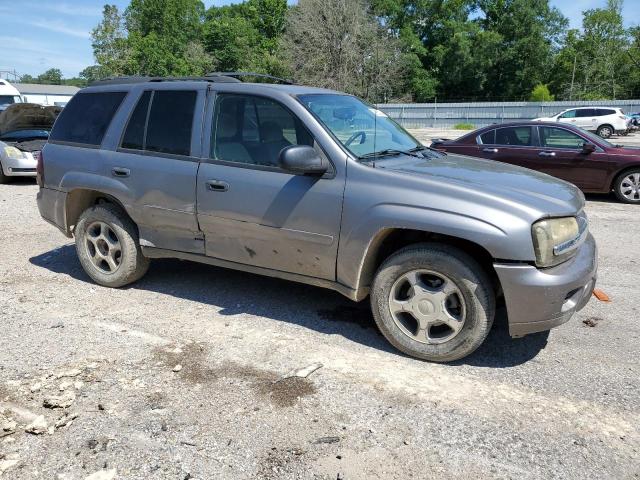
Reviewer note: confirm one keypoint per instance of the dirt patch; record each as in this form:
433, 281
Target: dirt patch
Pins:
287, 392
193, 360
592, 321
349, 314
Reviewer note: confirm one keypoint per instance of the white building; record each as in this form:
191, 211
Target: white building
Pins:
46, 94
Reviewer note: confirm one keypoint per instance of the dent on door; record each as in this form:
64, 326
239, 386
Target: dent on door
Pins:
271, 219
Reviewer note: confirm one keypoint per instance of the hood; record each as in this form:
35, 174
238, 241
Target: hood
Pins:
504, 183
27, 116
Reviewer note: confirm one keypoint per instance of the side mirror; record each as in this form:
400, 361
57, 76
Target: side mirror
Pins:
302, 160
588, 148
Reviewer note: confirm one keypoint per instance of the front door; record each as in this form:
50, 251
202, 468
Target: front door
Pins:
560, 154
251, 211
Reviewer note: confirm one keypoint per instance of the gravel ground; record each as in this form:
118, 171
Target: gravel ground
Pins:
178, 376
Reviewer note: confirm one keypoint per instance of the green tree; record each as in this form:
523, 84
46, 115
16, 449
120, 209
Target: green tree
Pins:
339, 44
53, 76
541, 93
595, 63
110, 46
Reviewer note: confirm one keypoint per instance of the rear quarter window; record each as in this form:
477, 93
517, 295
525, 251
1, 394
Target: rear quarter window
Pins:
86, 118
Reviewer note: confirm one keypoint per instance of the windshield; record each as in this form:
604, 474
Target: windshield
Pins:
9, 99
359, 127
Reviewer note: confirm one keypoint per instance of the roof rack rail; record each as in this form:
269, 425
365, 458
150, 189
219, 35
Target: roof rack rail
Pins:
142, 79
249, 74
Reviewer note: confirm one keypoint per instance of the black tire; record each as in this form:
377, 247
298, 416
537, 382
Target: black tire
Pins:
605, 131
3, 177
132, 263
471, 281
618, 187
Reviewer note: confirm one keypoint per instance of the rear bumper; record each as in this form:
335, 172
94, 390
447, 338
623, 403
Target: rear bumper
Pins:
540, 299
19, 167
51, 204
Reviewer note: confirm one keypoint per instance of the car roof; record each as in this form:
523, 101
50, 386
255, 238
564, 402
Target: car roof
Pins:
215, 82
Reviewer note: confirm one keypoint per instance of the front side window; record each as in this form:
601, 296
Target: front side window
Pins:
360, 128
569, 114
86, 117
551, 137
488, 138
254, 130
516, 136
165, 127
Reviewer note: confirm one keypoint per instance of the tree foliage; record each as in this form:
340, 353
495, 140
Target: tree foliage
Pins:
414, 50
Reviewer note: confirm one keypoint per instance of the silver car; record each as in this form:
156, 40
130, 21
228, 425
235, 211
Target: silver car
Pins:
314, 186
24, 129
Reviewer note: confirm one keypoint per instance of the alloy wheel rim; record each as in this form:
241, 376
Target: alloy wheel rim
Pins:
606, 132
103, 247
630, 187
427, 306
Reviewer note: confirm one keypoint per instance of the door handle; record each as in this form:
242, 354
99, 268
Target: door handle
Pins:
490, 150
547, 154
120, 172
217, 186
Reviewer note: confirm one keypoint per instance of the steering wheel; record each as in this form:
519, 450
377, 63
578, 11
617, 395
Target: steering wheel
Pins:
354, 136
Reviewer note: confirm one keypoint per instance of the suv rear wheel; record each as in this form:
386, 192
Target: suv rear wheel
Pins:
605, 131
108, 247
433, 302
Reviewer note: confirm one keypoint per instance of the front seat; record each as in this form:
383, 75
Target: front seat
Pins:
273, 141
227, 146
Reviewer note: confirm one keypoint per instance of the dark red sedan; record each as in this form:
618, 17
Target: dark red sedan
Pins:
564, 151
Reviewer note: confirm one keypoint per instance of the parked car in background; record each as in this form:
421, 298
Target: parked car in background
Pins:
318, 187
24, 129
8, 94
564, 151
635, 119
605, 121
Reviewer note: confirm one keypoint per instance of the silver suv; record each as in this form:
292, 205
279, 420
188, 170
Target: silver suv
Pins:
318, 187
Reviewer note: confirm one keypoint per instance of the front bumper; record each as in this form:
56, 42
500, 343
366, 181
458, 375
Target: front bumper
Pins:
19, 167
540, 299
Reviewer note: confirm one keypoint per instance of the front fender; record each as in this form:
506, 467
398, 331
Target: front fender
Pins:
358, 243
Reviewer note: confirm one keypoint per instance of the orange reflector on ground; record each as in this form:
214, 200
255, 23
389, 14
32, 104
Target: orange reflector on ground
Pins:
600, 295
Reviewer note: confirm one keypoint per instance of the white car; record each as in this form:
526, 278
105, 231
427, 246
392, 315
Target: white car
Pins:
605, 121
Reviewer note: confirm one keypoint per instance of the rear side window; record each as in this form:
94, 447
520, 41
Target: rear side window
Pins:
134, 135
586, 112
517, 136
165, 127
170, 122
602, 112
86, 117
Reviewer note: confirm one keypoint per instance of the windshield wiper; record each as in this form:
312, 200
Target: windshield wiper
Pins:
388, 152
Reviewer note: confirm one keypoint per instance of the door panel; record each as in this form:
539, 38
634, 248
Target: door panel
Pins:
255, 213
271, 219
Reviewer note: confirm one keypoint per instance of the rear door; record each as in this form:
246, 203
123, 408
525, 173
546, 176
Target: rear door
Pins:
587, 118
156, 165
251, 211
509, 145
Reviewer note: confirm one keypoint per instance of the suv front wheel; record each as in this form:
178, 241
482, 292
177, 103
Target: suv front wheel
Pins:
433, 302
108, 247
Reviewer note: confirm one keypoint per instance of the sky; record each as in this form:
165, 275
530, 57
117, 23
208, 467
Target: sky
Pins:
36, 35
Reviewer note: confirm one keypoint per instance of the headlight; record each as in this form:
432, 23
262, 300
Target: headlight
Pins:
556, 239
13, 152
